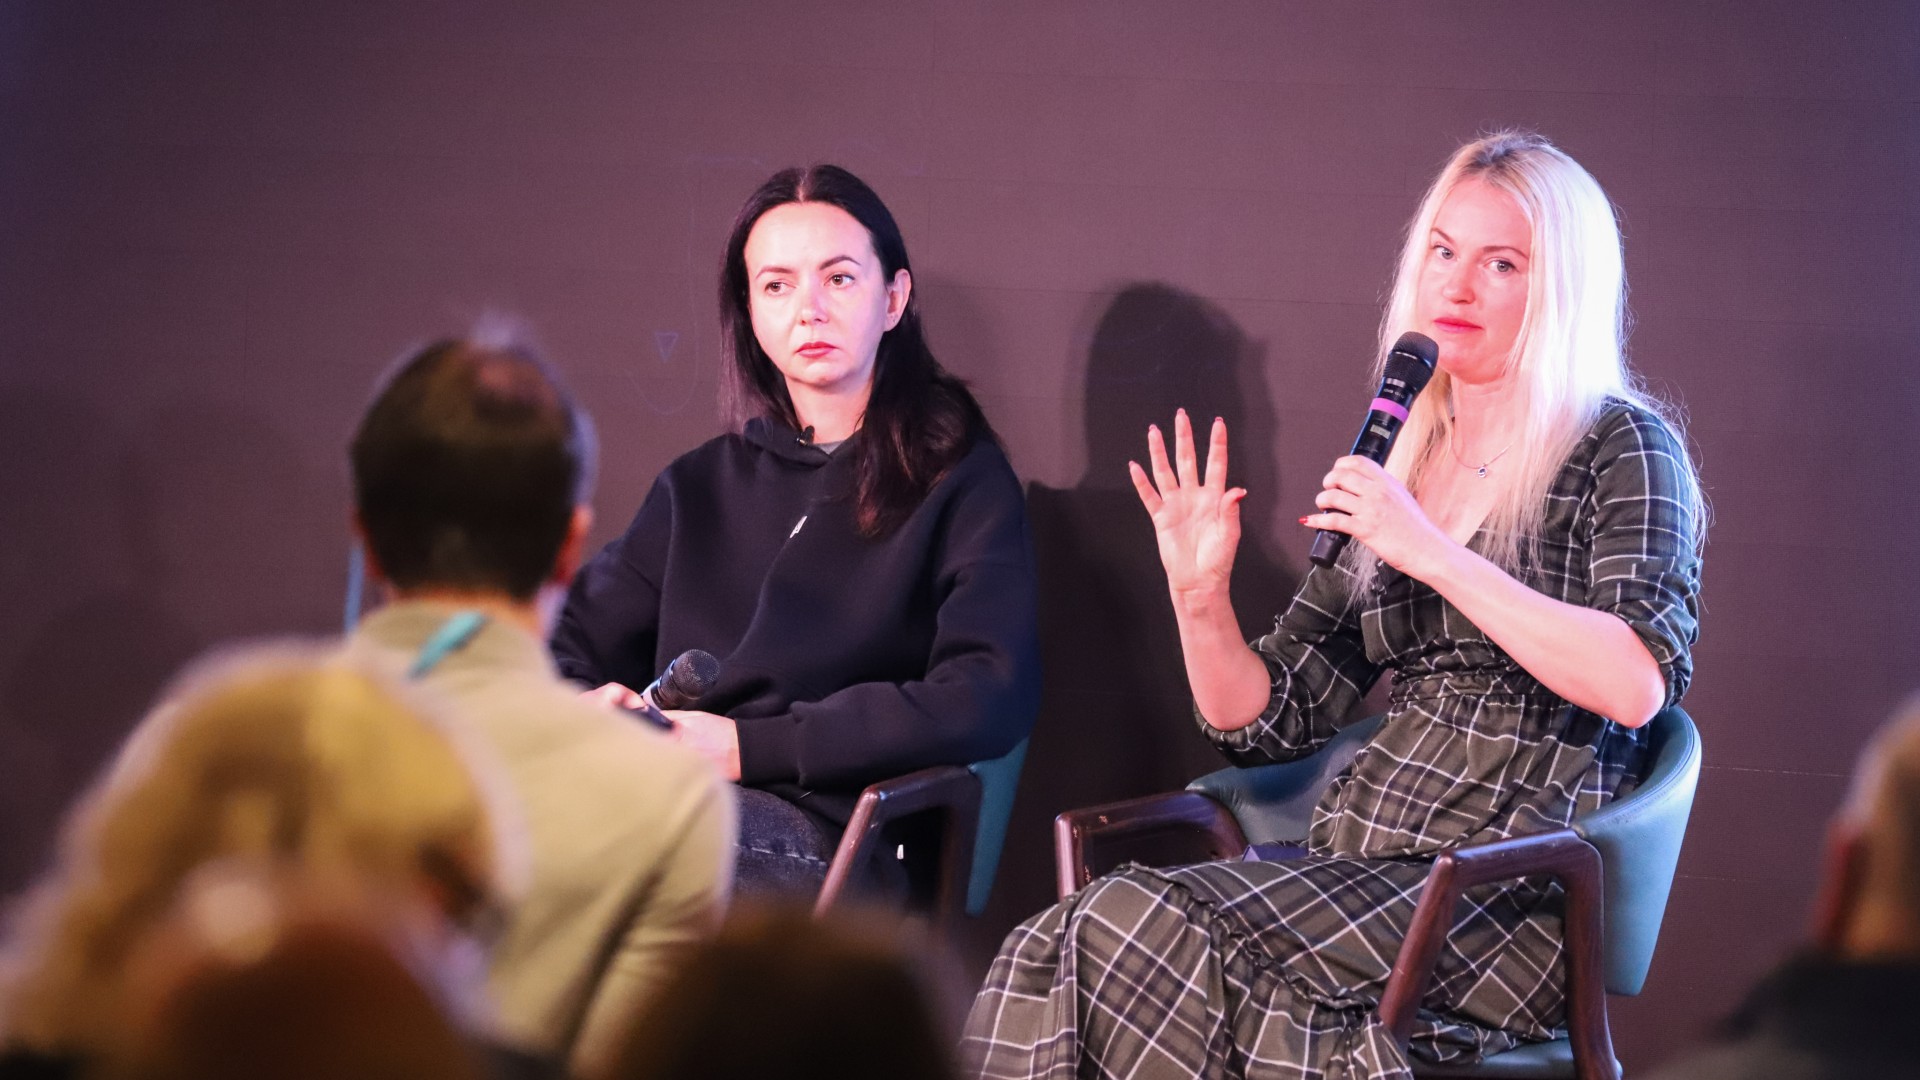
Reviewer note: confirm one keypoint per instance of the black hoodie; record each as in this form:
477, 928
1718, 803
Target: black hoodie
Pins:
843, 660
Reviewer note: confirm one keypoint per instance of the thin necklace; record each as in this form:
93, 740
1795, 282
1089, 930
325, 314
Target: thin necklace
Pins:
1479, 470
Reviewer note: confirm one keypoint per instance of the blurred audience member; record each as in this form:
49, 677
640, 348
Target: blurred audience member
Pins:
263, 975
470, 474
268, 754
780, 996
1841, 1008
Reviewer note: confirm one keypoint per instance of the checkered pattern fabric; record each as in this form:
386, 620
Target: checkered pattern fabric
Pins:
1274, 969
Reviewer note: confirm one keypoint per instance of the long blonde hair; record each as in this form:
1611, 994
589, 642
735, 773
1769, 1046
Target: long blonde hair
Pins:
1569, 357
279, 753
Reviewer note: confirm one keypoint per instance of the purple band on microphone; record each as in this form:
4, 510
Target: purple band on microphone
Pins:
1391, 408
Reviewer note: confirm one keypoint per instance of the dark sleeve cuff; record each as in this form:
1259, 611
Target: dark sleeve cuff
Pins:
576, 672
769, 748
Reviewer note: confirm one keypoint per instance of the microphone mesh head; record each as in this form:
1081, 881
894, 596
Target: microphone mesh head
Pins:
692, 673
1412, 359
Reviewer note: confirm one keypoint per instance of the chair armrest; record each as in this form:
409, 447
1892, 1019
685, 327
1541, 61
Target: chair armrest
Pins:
1174, 812
1561, 854
1274, 803
952, 788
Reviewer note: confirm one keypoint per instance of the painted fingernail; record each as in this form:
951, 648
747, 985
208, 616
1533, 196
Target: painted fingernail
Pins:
1303, 521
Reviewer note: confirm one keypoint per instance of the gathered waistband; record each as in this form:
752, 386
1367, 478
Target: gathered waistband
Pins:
1468, 684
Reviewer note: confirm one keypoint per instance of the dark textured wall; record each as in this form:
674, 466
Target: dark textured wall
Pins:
218, 222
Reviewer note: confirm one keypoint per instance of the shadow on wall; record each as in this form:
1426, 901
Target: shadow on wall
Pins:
88, 640
138, 545
1116, 716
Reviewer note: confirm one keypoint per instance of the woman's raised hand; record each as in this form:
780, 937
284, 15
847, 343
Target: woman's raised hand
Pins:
1197, 522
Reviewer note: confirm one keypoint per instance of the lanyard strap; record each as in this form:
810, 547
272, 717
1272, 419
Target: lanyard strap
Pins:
356, 585
453, 635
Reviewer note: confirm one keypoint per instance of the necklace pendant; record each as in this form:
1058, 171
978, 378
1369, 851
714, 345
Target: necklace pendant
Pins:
1482, 470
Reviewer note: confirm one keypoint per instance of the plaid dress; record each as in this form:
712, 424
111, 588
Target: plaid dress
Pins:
1274, 968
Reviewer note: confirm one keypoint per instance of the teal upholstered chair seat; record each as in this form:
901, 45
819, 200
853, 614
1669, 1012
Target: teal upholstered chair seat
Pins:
1616, 863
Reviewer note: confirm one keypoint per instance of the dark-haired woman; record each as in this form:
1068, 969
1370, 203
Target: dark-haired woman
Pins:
856, 554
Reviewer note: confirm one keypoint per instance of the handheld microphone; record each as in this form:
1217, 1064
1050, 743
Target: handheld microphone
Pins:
1409, 366
685, 680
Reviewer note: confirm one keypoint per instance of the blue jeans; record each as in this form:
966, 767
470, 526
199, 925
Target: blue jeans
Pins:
783, 851
783, 854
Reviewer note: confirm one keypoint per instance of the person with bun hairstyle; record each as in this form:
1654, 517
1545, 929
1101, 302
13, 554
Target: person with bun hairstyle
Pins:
855, 552
1527, 566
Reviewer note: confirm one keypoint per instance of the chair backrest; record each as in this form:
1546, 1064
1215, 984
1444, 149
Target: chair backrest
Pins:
1639, 839
1274, 803
999, 779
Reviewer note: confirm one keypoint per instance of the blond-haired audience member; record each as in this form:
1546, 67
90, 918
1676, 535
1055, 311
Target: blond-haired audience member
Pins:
280, 756
1842, 1007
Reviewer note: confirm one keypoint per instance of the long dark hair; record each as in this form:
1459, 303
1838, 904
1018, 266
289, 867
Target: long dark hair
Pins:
920, 420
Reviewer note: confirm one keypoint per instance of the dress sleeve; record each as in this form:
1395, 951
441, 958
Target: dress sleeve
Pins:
1317, 662
607, 630
1644, 559
981, 689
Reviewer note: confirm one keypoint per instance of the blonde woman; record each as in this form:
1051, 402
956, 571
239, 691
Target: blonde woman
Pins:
1527, 567
277, 755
